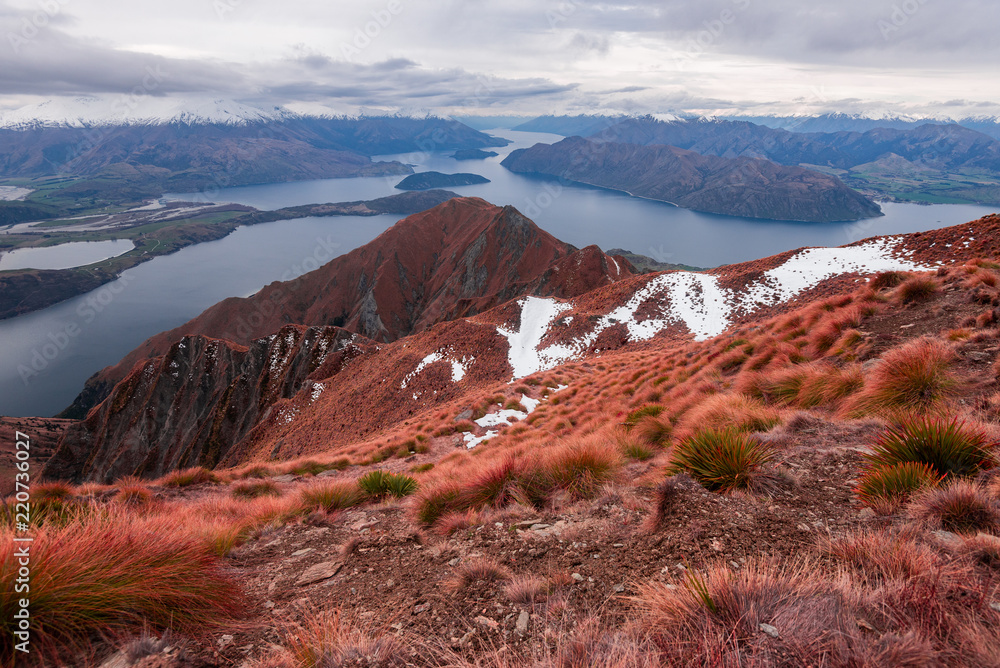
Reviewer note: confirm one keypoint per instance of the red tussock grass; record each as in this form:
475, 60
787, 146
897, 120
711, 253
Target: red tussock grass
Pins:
960, 507
916, 289
160, 577
729, 411
252, 489
332, 495
197, 475
478, 571
914, 377
327, 639
889, 485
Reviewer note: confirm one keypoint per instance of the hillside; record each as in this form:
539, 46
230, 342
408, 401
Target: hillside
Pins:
428, 180
737, 186
457, 259
440, 515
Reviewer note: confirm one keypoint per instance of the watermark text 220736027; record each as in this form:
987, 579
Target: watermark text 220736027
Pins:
22, 543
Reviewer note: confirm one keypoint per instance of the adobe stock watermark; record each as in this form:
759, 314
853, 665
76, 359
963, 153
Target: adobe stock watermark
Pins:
21, 557
49, 348
244, 326
713, 31
32, 24
364, 35
562, 13
901, 14
224, 7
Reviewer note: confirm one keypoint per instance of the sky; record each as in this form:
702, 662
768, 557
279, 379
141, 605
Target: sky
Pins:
529, 57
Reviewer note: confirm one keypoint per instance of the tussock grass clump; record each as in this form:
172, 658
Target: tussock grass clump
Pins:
431, 503
379, 484
576, 469
885, 485
961, 507
951, 448
196, 475
916, 289
887, 279
914, 377
256, 471
877, 557
252, 489
721, 460
730, 411
478, 571
160, 577
331, 495
653, 430
132, 492
51, 491
580, 469
326, 639
526, 590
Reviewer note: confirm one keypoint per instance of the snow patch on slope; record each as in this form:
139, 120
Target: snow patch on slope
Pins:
696, 300
459, 366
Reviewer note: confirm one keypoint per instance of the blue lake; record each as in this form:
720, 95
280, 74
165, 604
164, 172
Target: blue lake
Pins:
46, 356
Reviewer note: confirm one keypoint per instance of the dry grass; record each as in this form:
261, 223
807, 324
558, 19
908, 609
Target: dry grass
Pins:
729, 411
961, 507
252, 489
914, 377
478, 572
197, 475
160, 576
332, 495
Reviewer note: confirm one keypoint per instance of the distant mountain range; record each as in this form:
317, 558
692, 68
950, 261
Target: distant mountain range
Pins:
738, 186
588, 124
157, 144
916, 161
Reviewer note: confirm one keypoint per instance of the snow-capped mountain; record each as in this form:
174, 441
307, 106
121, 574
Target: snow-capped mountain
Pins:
82, 112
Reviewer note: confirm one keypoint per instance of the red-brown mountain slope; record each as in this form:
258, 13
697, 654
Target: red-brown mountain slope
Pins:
455, 260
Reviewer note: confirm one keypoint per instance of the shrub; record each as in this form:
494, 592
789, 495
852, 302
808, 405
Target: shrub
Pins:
894, 482
380, 484
951, 448
721, 460
159, 577
254, 489
196, 475
913, 377
331, 495
962, 507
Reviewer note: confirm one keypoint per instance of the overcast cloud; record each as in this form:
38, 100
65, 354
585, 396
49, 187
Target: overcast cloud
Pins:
515, 56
